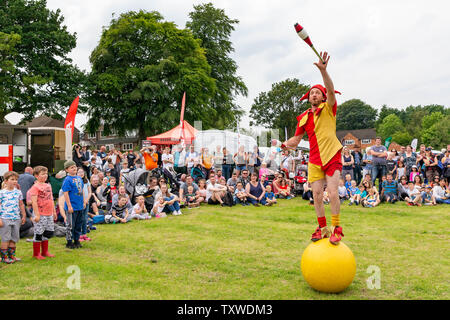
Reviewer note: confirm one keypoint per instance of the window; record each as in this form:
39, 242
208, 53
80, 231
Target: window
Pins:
349, 142
366, 141
127, 146
92, 135
109, 147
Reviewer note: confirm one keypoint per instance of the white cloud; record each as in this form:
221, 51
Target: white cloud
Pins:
382, 52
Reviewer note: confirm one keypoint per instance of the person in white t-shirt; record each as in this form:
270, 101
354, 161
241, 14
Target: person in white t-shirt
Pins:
191, 157
214, 191
139, 211
167, 159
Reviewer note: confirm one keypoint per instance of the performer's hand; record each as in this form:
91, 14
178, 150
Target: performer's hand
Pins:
321, 65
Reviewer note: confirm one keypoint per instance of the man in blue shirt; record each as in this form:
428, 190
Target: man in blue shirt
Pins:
389, 191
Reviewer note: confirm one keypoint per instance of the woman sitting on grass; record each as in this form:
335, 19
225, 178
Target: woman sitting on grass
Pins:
441, 192
171, 204
284, 190
255, 191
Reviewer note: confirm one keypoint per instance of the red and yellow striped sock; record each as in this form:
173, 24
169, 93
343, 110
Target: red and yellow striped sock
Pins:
335, 221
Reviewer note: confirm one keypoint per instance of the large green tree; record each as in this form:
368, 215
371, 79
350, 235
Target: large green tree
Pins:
355, 114
213, 27
37, 74
279, 107
390, 125
140, 69
438, 134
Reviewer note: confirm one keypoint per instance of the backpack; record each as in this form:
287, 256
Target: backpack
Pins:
228, 199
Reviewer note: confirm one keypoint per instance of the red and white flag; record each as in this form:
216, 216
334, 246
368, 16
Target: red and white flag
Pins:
183, 104
70, 118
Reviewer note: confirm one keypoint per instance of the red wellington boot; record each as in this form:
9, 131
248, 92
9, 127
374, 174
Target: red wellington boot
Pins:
37, 251
45, 252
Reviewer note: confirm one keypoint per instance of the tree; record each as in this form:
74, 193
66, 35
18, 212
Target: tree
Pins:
140, 69
280, 107
402, 138
213, 27
438, 133
390, 125
8, 42
384, 112
431, 119
34, 46
355, 114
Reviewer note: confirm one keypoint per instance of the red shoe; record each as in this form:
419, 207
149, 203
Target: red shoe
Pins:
37, 251
336, 235
45, 253
86, 238
320, 233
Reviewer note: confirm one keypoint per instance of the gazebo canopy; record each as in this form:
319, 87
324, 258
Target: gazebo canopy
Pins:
174, 136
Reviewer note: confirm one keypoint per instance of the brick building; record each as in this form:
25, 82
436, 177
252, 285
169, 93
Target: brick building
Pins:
129, 142
357, 139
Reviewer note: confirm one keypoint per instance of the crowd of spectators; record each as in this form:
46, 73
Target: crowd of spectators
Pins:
182, 178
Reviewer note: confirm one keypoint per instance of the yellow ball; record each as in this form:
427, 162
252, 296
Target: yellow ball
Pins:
327, 267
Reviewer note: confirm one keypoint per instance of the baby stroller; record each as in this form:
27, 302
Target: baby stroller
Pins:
197, 173
136, 185
299, 180
171, 177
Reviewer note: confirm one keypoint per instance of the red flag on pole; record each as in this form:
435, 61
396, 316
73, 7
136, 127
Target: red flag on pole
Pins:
70, 118
183, 104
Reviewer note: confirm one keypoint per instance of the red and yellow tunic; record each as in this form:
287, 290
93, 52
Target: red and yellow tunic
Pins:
320, 127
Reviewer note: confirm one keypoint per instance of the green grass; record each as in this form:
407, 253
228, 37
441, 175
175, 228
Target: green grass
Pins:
241, 253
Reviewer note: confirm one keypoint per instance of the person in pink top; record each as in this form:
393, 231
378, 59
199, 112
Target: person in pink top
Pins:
44, 213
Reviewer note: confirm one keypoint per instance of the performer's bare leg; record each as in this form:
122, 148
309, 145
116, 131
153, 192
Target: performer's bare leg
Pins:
333, 183
317, 188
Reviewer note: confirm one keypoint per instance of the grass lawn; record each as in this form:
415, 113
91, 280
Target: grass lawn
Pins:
241, 253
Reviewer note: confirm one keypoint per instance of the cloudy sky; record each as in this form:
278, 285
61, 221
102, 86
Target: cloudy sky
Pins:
382, 52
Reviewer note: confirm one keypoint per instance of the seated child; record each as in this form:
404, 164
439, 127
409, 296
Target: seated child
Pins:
158, 209
371, 200
414, 197
270, 196
119, 212
354, 194
342, 190
191, 198
427, 196
348, 182
326, 198
240, 196
139, 211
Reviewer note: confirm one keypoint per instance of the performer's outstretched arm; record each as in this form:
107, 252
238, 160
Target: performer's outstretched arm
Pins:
293, 142
331, 98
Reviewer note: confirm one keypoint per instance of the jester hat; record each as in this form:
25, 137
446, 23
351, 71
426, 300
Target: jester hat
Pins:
321, 88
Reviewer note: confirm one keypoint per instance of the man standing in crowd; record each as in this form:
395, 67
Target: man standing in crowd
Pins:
167, 159
180, 160
102, 154
379, 155
191, 157
325, 162
357, 174
150, 157
26, 181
